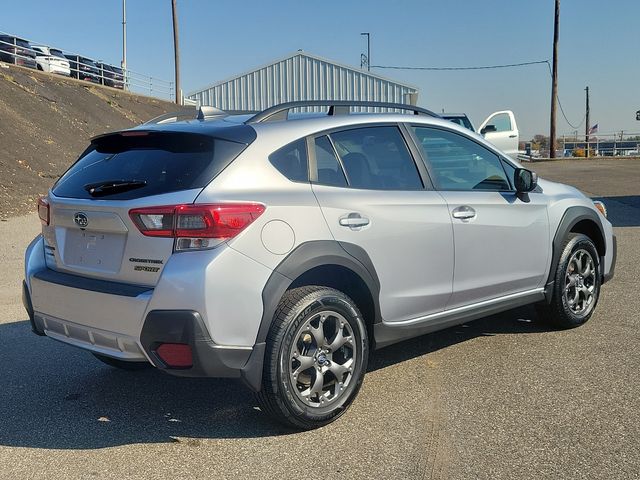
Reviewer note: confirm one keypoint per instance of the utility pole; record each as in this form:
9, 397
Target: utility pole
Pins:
368, 50
176, 51
587, 125
554, 81
124, 41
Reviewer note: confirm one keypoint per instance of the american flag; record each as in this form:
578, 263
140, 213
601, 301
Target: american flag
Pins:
593, 129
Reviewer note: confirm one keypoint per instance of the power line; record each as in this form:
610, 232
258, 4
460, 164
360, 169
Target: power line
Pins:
562, 109
439, 69
487, 67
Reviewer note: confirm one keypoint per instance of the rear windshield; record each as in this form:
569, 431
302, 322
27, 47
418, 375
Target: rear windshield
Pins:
155, 163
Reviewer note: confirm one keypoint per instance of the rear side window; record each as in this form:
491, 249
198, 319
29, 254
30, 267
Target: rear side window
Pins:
151, 164
291, 161
329, 168
377, 158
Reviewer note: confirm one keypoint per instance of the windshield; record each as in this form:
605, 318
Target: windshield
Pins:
57, 53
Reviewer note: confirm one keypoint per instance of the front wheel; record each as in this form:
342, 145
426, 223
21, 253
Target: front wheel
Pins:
316, 358
577, 284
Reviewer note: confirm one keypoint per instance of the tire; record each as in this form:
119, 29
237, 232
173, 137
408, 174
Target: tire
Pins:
319, 328
576, 287
122, 364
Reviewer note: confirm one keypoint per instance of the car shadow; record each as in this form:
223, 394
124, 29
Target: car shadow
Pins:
57, 396
622, 211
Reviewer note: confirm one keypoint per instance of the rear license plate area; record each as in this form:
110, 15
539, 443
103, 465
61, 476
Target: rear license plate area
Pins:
94, 250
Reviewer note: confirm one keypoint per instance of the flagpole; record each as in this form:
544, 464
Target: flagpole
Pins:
587, 126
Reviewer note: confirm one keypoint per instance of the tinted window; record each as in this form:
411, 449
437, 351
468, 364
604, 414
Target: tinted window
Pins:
57, 53
462, 121
458, 163
502, 122
377, 158
167, 162
329, 169
291, 161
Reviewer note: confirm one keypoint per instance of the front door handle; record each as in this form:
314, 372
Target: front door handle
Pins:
513, 136
463, 212
353, 220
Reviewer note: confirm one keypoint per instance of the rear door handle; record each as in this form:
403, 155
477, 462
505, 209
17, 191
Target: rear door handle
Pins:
513, 136
353, 220
463, 212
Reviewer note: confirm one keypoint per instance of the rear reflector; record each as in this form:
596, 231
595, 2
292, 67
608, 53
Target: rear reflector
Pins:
175, 355
43, 210
196, 226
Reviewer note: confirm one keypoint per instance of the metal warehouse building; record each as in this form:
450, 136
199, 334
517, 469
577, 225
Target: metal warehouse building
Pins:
301, 76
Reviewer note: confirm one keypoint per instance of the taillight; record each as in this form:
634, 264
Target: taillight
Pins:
43, 210
196, 227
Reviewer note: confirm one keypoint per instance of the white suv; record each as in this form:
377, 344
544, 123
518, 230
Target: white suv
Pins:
282, 249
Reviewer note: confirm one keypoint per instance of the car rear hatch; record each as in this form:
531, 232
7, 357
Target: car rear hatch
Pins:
91, 231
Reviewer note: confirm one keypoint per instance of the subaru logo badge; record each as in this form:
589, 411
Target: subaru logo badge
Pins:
81, 220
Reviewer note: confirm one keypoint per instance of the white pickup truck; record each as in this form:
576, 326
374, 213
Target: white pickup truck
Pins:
500, 128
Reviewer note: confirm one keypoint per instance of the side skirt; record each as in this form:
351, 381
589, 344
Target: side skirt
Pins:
387, 333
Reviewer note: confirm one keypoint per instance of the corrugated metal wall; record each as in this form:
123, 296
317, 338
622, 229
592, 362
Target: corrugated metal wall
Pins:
301, 77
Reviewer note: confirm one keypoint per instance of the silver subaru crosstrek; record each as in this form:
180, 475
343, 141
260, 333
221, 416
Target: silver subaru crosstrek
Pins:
281, 249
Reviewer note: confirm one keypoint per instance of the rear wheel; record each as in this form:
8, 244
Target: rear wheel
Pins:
121, 364
316, 358
577, 284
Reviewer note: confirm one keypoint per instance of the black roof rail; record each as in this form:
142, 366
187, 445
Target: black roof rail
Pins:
336, 107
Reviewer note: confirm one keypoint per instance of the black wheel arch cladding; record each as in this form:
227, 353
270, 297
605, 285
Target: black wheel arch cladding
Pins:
308, 256
302, 259
572, 216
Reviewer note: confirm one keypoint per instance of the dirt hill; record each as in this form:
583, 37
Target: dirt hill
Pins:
46, 122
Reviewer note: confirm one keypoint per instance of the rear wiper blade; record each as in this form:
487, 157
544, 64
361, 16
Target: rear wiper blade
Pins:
108, 187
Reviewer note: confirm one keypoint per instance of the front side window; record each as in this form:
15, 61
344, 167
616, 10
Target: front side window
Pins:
291, 161
377, 158
458, 163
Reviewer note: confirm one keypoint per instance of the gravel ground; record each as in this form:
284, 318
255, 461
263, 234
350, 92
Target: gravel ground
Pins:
499, 398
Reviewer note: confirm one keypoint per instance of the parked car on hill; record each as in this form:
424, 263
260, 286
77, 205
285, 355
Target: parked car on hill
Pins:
17, 51
500, 128
83, 68
110, 75
50, 60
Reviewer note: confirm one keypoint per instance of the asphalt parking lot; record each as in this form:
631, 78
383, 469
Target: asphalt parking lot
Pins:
499, 398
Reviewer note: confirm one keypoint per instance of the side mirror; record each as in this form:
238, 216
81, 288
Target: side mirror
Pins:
525, 180
488, 129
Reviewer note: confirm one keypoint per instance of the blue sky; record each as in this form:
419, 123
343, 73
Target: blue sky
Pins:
599, 46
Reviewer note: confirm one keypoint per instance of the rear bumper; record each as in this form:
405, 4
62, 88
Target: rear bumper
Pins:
129, 322
137, 339
187, 327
